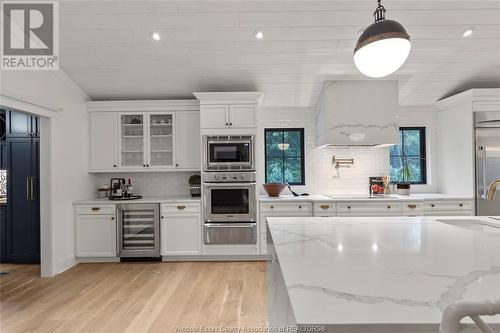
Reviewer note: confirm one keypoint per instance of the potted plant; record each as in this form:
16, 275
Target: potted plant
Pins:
406, 174
195, 185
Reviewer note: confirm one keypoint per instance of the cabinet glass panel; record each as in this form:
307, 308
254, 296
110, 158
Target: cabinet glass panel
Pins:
132, 140
160, 139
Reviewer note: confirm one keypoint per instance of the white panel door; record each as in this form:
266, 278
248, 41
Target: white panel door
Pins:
95, 236
214, 116
242, 116
187, 140
103, 141
180, 234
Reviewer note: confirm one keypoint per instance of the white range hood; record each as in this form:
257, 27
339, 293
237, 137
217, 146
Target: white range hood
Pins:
358, 113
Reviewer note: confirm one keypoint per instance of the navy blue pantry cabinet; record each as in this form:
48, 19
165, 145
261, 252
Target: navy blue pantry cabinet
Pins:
22, 223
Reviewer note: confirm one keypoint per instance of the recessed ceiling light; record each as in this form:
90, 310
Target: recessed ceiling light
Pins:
155, 36
259, 34
468, 32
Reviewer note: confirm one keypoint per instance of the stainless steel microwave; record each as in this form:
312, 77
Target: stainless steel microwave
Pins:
228, 152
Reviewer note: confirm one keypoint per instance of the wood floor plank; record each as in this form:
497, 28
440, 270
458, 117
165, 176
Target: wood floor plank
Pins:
133, 297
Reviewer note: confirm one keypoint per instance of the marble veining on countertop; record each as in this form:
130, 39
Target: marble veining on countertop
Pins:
384, 270
161, 199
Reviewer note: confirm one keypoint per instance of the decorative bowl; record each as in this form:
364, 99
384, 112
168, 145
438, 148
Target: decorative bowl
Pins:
274, 189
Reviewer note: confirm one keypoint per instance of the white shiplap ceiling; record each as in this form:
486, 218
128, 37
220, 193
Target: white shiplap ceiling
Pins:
209, 46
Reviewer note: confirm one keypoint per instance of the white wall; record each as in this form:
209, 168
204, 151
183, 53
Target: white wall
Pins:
456, 150
321, 175
67, 132
424, 116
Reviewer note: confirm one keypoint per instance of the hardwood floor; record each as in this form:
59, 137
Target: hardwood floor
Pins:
134, 297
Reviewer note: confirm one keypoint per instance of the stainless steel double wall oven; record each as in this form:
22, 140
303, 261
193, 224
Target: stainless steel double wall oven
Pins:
229, 190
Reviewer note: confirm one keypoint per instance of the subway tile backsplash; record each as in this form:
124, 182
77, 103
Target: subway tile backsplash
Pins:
346, 181
152, 184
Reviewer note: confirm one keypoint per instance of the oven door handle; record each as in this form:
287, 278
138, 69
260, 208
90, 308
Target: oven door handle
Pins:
230, 225
236, 184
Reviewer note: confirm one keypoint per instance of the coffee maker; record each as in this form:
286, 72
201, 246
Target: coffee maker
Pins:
117, 187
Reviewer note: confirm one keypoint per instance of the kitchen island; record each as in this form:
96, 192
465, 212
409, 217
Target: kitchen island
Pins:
378, 274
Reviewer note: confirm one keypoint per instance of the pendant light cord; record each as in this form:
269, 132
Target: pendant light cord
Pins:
379, 12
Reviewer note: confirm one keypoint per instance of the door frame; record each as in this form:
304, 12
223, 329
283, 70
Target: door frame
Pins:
46, 113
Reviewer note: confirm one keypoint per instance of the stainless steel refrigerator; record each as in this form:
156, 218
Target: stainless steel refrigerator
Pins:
487, 135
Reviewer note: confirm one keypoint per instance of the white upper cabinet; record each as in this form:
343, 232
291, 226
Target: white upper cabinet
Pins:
103, 141
242, 115
160, 147
144, 135
214, 116
132, 142
229, 109
187, 140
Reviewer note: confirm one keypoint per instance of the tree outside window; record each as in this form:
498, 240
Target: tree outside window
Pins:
284, 155
407, 159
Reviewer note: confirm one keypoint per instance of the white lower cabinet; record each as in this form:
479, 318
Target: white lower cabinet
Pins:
369, 208
280, 209
180, 229
95, 231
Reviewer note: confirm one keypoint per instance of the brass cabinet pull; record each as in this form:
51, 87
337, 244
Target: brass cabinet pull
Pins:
95, 209
181, 207
324, 206
412, 206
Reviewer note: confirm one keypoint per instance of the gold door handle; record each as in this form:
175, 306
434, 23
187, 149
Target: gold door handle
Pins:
181, 207
324, 206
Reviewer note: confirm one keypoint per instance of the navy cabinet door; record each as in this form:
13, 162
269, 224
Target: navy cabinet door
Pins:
3, 219
18, 124
22, 229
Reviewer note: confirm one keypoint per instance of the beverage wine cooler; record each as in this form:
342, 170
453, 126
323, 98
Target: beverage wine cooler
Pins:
138, 230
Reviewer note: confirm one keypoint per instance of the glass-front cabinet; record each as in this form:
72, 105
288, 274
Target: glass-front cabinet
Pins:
161, 147
146, 140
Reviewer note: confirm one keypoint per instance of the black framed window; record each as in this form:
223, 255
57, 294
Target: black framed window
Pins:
284, 155
408, 162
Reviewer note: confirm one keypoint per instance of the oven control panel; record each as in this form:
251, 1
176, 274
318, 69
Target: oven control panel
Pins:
229, 177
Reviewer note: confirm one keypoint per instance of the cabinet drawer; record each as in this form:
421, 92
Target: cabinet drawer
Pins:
286, 207
181, 207
412, 208
448, 205
324, 208
95, 210
390, 207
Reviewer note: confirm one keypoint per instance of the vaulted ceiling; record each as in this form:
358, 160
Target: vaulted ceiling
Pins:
106, 47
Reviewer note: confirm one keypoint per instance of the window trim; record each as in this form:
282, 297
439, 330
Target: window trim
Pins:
302, 151
423, 152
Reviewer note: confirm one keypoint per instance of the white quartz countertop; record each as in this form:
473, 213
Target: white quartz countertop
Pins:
391, 197
384, 270
162, 199
285, 198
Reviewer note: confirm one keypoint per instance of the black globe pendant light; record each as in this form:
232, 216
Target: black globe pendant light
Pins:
383, 47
